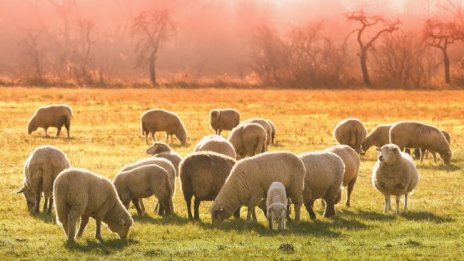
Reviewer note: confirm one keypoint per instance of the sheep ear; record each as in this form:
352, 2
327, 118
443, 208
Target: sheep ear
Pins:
378, 149
21, 190
395, 149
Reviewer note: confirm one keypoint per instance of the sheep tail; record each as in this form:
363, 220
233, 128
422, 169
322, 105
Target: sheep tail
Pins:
260, 146
170, 194
60, 203
143, 129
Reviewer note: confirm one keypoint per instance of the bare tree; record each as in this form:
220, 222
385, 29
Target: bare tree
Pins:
34, 51
83, 53
374, 26
441, 34
154, 29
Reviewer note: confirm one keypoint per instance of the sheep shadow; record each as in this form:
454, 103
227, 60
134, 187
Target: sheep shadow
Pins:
409, 215
105, 247
367, 215
442, 167
161, 220
425, 216
43, 216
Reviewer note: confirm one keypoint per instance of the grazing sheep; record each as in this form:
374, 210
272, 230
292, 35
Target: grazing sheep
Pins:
250, 180
142, 182
265, 124
216, 144
421, 153
394, 173
223, 119
51, 116
411, 134
273, 131
276, 203
163, 163
162, 150
202, 175
248, 139
352, 162
40, 170
351, 132
82, 193
324, 177
162, 120
377, 137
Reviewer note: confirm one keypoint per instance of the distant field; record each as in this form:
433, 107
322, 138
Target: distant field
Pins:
106, 135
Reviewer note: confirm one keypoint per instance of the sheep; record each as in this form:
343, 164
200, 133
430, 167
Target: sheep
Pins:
217, 144
248, 139
273, 131
420, 153
377, 137
142, 182
413, 134
352, 162
350, 132
161, 120
163, 163
324, 177
394, 173
276, 203
40, 170
162, 150
202, 176
250, 180
223, 119
55, 115
266, 125
82, 193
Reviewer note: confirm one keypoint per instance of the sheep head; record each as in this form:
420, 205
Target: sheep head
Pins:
389, 154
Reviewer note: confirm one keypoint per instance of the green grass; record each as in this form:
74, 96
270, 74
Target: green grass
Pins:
106, 136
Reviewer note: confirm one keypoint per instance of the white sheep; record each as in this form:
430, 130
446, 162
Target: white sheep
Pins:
80, 193
378, 137
266, 126
216, 144
162, 120
351, 132
56, 115
223, 119
40, 170
248, 139
276, 203
162, 150
394, 174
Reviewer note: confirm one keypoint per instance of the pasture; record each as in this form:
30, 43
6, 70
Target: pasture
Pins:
106, 135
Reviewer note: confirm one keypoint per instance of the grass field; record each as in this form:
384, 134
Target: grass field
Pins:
106, 135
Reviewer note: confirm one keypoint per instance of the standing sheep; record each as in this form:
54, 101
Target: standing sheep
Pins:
142, 182
202, 175
352, 162
324, 177
421, 153
162, 150
276, 203
216, 144
266, 125
162, 120
51, 116
248, 139
394, 173
250, 180
377, 137
223, 119
411, 134
40, 170
82, 193
351, 132
273, 131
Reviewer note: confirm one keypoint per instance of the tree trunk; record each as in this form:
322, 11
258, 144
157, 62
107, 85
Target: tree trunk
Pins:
152, 69
446, 63
365, 72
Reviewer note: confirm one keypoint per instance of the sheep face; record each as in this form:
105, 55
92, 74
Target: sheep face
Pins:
277, 213
219, 214
214, 116
182, 136
31, 126
446, 156
121, 226
389, 154
158, 147
30, 200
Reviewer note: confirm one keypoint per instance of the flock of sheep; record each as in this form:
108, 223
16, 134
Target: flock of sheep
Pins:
233, 172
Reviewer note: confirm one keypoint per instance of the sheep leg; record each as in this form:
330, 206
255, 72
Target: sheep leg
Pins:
98, 234
84, 222
188, 201
329, 208
142, 206
73, 216
249, 219
297, 214
37, 202
135, 201
153, 136
309, 207
397, 199
434, 155
270, 223
196, 206
50, 205
237, 213
58, 131
67, 125
46, 132
159, 208
348, 192
406, 201
422, 156
253, 215
387, 203
167, 137
45, 206
146, 138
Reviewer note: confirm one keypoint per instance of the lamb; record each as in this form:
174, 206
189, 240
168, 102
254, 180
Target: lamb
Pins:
351, 132
250, 180
217, 144
162, 120
162, 150
266, 125
324, 177
55, 115
223, 119
394, 173
163, 163
202, 175
142, 182
377, 137
40, 170
421, 153
273, 131
411, 134
248, 139
276, 203
82, 193
352, 162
